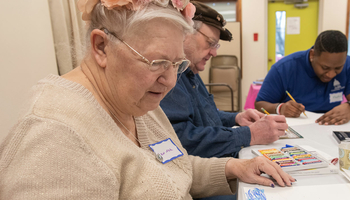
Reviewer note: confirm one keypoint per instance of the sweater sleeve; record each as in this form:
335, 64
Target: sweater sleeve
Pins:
209, 177
46, 160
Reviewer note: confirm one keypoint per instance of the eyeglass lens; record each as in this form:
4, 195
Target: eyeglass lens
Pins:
212, 43
155, 65
165, 64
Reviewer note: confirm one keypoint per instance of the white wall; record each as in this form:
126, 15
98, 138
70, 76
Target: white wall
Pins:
26, 54
254, 53
332, 15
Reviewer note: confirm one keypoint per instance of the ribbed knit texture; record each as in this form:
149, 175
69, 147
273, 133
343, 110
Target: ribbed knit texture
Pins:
67, 147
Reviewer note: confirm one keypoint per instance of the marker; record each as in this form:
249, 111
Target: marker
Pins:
290, 96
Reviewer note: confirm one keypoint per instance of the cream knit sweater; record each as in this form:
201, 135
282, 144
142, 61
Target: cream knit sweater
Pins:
67, 147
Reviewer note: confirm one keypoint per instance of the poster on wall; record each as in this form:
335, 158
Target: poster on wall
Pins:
293, 25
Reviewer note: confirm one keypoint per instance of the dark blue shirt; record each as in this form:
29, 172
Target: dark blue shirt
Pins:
203, 130
295, 74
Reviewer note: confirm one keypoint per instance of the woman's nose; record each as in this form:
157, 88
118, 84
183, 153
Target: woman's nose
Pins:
168, 77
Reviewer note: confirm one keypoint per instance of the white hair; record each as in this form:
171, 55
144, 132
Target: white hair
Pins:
123, 21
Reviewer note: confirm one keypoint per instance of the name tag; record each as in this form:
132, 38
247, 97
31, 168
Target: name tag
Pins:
335, 97
166, 150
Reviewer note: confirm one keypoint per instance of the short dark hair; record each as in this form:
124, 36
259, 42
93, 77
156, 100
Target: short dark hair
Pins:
331, 41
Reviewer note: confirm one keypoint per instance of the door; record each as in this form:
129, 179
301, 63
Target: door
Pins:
290, 29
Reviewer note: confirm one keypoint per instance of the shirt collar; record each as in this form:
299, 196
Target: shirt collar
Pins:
188, 72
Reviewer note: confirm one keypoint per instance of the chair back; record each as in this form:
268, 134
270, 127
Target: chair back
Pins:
226, 74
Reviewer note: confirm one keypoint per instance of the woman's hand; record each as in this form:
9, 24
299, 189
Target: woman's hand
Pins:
249, 171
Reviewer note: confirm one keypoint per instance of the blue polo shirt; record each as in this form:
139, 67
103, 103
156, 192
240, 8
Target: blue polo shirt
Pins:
202, 129
295, 74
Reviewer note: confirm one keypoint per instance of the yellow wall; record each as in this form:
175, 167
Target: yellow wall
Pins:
294, 42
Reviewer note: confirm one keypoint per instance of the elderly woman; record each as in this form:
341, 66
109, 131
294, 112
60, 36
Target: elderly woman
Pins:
98, 132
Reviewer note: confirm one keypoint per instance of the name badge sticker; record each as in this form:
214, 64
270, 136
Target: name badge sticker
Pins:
335, 97
166, 150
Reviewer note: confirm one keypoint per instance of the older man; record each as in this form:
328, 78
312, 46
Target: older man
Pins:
203, 130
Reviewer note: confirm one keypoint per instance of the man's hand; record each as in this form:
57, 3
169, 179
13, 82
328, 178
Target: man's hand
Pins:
248, 117
292, 109
267, 129
338, 115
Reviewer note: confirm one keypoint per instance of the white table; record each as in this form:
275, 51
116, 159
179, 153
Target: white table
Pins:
316, 136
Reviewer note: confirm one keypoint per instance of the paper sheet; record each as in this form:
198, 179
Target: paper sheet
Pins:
293, 25
319, 192
310, 119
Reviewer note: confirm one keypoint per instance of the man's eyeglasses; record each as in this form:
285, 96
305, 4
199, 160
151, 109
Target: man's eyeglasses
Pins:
156, 65
212, 43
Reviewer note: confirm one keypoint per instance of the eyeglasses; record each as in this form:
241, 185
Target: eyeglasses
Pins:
212, 43
156, 65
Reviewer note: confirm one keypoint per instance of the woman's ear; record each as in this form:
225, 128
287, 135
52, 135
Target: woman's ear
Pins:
98, 46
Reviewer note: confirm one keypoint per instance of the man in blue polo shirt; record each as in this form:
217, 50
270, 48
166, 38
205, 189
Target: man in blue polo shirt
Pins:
316, 78
202, 129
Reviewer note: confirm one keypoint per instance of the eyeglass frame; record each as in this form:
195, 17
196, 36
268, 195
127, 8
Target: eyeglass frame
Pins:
212, 43
106, 31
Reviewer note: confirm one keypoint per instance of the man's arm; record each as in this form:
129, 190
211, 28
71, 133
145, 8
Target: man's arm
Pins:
204, 134
272, 93
211, 141
288, 109
269, 107
228, 119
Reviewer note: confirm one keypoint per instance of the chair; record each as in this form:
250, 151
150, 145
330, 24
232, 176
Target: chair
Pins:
225, 82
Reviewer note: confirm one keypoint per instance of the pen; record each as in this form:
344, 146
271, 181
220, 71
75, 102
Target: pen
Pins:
290, 96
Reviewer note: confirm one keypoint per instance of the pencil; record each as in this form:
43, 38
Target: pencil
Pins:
290, 96
265, 111
269, 114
